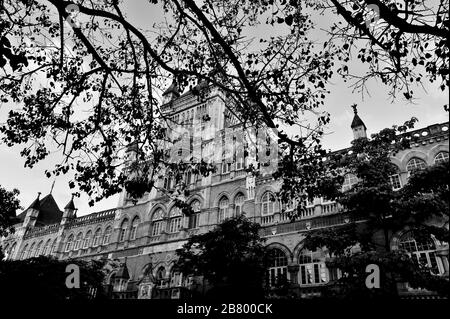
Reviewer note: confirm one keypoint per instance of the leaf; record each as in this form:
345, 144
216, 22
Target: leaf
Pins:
289, 19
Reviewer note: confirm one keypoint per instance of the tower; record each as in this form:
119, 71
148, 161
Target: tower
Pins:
358, 126
32, 213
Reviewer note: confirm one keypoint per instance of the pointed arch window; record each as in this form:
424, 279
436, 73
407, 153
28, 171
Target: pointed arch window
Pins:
46, 248
54, 247
78, 241
175, 221
123, 230
195, 216
97, 237
157, 222
268, 204
38, 249
69, 243
11, 251
31, 251
87, 239
107, 235
223, 209
134, 226
238, 204
24, 252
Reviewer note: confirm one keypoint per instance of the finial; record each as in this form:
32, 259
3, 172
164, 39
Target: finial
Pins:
39, 195
354, 105
53, 185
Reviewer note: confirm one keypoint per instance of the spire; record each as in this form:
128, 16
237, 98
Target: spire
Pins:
70, 205
358, 126
356, 119
53, 185
37, 203
172, 89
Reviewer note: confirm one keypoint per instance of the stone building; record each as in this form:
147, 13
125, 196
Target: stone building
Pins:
144, 235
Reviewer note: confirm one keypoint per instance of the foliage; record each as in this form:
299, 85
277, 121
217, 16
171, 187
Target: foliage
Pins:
44, 278
421, 205
87, 85
402, 43
9, 204
394, 267
231, 258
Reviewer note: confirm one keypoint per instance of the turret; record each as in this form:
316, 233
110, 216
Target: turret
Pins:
358, 126
32, 213
69, 211
171, 93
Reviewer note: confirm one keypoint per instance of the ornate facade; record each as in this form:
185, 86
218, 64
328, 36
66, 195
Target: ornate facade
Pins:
144, 235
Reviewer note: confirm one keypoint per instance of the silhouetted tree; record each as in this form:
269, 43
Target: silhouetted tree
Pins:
230, 257
376, 212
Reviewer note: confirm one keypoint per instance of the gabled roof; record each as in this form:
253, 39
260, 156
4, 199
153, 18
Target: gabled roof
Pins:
49, 212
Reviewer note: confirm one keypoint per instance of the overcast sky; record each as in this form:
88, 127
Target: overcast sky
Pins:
376, 111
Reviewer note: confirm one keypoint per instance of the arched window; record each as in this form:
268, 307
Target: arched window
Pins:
54, 246
78, 241
107, 235
157, 222
46, 247
312, 268
421, 250
160, 277
97, 237
31, 251
195, 216
278, 262
238, 204
11, 251
23, 254
441, 157
350, 180
69, 243
123, 230
415, 164
87, 239
223, 209
395, 179
268, 204
176, 220
134, 226
176, 278
38, 251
